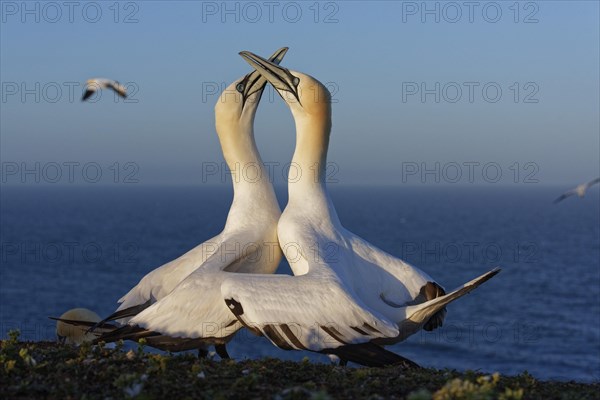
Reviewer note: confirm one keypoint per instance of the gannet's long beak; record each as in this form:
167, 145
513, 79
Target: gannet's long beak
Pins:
254, 81
281, 78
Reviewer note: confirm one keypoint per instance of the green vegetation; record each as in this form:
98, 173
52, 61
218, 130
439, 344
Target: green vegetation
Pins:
50, 370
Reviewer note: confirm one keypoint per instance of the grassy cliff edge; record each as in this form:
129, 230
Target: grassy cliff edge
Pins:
50, 370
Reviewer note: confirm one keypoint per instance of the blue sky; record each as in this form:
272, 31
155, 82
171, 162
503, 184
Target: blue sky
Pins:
376, 57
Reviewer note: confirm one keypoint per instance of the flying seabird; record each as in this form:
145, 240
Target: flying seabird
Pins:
93, 85
347, 297
579, 190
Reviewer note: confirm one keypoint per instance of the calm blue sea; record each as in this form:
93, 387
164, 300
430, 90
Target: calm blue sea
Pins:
65, 247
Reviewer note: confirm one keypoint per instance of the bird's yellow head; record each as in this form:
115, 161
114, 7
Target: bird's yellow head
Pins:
305, 95
308, 99
239, 101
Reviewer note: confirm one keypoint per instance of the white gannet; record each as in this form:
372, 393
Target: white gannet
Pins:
93, 85
346, 297
70, 334
179, 305
579, 190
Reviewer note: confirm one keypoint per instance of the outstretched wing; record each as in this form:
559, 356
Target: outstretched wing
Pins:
591, 183
88, 93
194, 309
118, 88
162, 280
418, 315
309, 312
563, 196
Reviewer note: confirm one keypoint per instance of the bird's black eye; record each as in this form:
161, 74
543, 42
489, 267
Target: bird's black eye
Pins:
240, 87
296, 81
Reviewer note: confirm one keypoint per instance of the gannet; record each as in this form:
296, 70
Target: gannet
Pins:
93, 85
179, 305
71, 334
345, 293
579, 190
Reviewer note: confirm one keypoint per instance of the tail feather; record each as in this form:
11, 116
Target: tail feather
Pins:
370, 355
125, 313
167, 343
105, 326
113, 333
127, 332
153, 339
420, 314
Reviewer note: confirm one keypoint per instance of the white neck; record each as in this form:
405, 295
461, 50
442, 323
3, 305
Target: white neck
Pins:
307, 179
253, 194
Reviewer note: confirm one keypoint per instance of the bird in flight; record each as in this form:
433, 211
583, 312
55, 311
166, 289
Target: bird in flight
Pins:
579, 190
94, 85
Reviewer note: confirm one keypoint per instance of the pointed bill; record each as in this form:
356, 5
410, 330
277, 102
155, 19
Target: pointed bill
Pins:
254, 81
279, 77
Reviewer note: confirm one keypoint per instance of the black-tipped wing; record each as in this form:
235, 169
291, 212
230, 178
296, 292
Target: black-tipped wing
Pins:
595, 181
563, 196
119, 89
88, 93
